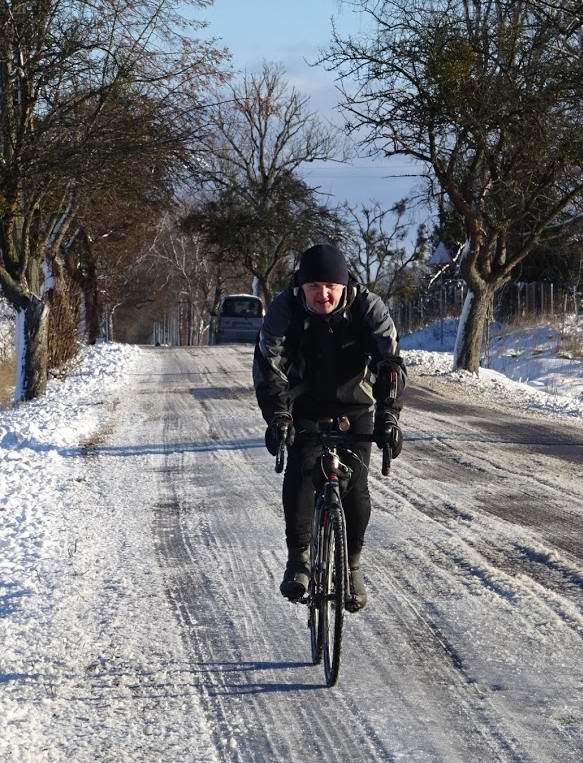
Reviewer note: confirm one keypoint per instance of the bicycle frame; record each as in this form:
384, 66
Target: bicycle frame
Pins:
327, 503
331, 502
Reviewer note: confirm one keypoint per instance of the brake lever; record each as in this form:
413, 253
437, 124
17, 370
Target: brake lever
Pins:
280, 456
387, 458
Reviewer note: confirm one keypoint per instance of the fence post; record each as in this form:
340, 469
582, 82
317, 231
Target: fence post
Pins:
441, 311
488, 321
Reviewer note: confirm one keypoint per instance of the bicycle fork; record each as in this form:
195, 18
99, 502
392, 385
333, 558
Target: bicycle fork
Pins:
334, 505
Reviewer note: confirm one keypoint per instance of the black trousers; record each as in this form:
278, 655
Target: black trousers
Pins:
299, 490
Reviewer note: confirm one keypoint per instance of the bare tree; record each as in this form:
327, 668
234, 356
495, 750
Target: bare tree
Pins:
82, 86
191, 276
112, 226
264, 245
263, 135
489, 98
377, 249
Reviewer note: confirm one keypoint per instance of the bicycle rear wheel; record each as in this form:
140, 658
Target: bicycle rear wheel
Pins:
332, 612
315, 591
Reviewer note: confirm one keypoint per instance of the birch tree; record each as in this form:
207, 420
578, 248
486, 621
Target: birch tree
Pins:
488, 97
181, 252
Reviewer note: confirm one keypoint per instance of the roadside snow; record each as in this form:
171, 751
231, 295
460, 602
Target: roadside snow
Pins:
36, 440
527, 367
70, 409
89, 638
539, 357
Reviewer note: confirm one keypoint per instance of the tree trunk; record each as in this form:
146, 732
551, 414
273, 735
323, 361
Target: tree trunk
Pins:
62, 294
468, 343
264, 292
190, 323
86, 279
32, 350
91, 297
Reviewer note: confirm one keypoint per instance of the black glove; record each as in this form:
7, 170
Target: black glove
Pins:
281, 428
388, 432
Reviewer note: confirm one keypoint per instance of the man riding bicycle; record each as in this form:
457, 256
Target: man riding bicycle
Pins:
327, 348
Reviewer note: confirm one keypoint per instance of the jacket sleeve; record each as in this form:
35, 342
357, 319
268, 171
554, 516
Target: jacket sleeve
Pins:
270, 364
383, 346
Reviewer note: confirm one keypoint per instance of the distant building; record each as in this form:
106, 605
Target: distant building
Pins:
441, 256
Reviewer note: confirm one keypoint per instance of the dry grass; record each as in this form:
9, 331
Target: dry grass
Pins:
531, 320
569, 342
571, 345
7, 377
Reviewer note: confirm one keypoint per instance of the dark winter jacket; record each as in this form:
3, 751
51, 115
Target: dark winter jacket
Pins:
317, 366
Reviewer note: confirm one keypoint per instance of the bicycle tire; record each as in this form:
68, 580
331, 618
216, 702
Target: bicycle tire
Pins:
332, 611
315, 590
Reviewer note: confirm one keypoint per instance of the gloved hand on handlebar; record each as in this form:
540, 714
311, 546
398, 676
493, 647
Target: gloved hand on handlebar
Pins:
281, 428
388, 432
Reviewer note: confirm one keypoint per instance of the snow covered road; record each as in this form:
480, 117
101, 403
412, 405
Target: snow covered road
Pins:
165, 637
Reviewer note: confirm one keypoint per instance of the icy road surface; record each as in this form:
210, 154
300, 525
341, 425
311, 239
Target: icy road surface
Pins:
170, 641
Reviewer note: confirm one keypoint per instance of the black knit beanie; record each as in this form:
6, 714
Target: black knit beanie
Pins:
322, 263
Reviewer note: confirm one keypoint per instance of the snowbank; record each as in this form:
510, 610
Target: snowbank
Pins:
70, 409
528, 368
36, 441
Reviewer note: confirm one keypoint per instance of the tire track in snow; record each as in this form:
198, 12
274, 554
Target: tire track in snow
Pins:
470, 546
226, 552
326, 740
557, 580
430, 646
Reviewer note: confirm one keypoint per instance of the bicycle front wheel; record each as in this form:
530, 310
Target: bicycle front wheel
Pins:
332, 612
316, 580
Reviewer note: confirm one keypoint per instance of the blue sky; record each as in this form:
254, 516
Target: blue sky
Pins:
292, 32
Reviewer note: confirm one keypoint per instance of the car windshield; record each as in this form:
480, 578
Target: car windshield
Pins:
241, 307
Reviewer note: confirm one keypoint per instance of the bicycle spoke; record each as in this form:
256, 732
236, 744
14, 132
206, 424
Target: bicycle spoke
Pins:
333, 600
315, 611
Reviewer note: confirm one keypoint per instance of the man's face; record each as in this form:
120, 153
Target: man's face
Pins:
323, 298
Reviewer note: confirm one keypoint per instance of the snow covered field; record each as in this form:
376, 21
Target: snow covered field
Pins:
141, 548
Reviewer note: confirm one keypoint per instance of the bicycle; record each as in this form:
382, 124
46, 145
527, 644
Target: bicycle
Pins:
328, 593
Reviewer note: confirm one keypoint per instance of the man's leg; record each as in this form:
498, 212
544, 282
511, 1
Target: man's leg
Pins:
356, 502
298, 505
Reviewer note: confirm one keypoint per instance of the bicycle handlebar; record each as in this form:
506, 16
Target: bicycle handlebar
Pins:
342, 439
387, 458
280, 457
